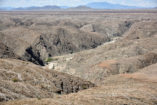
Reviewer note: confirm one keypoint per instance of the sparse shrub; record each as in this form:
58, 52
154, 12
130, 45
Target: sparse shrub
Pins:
39, 98
15, 79
48, 60
84, 86
51, 59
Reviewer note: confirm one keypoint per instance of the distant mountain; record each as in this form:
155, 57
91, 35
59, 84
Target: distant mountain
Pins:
90, 6
5, 8
64, 7
105, 5
80, 8
48, 7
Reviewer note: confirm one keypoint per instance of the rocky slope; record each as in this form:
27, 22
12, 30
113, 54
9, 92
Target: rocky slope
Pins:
36, 39
135, 50
136, 89
6, 52
19, 79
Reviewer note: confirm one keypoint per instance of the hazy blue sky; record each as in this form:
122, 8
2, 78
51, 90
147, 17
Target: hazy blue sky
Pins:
26, 3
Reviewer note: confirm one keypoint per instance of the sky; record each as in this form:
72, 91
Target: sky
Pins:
28, 3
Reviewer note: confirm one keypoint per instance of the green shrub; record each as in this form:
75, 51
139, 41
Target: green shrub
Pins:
84, 86
51, 59
48, 59
15, 79
39, 98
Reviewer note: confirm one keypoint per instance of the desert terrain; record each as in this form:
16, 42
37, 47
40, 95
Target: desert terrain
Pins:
106, 57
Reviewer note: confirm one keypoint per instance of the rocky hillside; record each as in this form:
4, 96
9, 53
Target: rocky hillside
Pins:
137, 88
37, 39
6, 52
19, 79
135, 50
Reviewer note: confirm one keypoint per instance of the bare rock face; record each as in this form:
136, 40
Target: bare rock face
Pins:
19, 79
